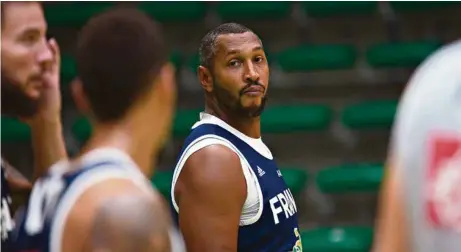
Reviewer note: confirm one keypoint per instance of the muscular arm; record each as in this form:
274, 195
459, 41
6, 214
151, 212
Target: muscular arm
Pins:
129, 223
391, 230
210, 193
47, 143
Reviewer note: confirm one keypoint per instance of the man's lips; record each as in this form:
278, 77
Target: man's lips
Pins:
254, 89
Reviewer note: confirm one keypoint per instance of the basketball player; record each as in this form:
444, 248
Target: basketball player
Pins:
30, 91
421, 200
227, 191
105, 203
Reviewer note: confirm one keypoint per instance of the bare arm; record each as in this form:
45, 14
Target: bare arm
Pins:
47, 140
47, 143
391, 231
15, 179
129, 223
210, 193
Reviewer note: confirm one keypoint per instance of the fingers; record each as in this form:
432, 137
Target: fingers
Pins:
51, 75
54, 47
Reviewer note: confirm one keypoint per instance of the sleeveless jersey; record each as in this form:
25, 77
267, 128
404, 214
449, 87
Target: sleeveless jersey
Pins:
40, 224
427, 148
6, 214
275, 228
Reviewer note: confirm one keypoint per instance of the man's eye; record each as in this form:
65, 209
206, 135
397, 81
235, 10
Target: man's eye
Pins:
259, 59
30, 38
234, 63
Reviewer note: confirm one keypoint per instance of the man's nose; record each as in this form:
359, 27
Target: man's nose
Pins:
251, 75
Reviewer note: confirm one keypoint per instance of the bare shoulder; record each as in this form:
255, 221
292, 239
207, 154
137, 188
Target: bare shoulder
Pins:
130, 222
117, 215
215, 167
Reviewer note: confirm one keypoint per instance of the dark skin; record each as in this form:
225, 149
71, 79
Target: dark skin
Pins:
211, 190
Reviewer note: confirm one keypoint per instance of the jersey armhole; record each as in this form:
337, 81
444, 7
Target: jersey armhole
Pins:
70, 197
248, 173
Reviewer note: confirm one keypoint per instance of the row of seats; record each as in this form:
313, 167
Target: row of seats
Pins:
316, 57
345, 178
64, 14
340, 179
338, 239
275, 120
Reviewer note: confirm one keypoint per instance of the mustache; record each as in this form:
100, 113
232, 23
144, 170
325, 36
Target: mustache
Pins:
251, 84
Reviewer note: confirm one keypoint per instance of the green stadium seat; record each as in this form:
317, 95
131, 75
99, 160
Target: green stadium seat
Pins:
370, 114
82, 129
162, 181
292, 118
337, 239
337, 8
317, 57
72, 14
68, 69
403, 54
295, 178
14, 131
253, 10
407, 6
184, 120
174, 11
350, 178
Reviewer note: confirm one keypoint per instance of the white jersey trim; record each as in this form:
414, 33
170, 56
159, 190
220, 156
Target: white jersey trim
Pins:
75, 190
253, 206
256, 143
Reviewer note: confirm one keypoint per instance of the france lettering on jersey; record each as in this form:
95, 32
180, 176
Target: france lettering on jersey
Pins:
40, 224
276, 225
6, 214
427, 148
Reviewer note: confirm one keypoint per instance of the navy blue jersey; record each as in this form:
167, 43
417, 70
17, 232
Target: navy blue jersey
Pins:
40, 224
277, 227
36, 221
6, 214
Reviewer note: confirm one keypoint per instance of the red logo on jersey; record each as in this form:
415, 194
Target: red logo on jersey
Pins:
443, 202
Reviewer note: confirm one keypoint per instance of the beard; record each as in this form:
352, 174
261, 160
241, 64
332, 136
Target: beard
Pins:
15, 102
234, 105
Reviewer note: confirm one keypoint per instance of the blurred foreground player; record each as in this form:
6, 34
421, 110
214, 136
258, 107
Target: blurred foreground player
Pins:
30, 91
105, 202
421, 197
227, 191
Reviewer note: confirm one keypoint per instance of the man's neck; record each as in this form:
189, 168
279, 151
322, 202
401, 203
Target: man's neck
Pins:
127, 139
247, 125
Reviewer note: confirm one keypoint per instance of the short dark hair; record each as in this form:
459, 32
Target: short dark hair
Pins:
119, 53
207, 49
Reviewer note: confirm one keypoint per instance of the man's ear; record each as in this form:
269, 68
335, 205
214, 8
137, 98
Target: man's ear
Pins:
204, 76
81, 102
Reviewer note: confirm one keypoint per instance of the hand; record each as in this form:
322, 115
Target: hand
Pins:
49, 105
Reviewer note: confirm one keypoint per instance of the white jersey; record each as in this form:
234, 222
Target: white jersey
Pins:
252, 207
41, 224
426, 145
